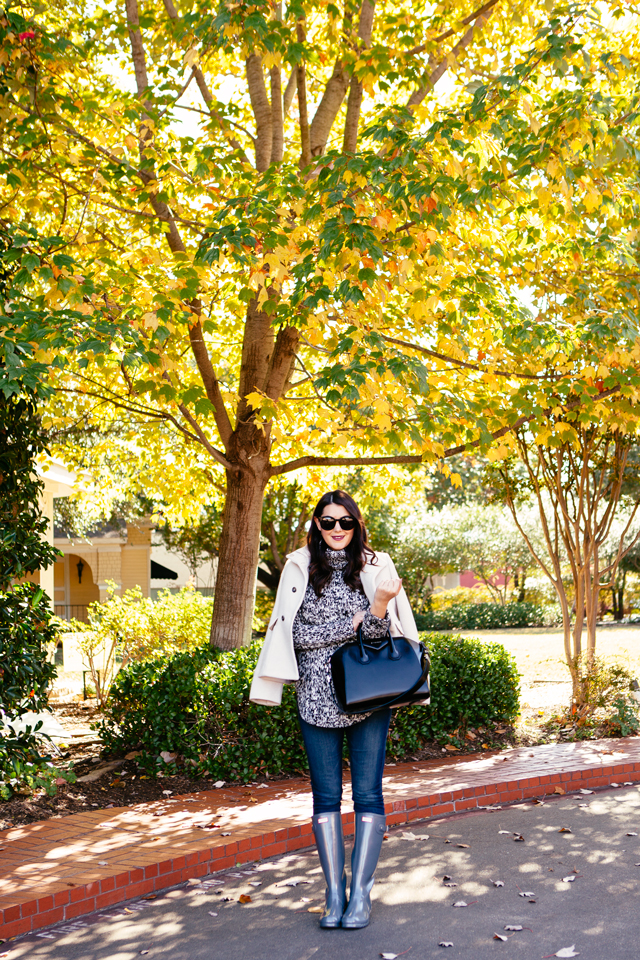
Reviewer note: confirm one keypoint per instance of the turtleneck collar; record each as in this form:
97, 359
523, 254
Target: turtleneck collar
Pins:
336, 558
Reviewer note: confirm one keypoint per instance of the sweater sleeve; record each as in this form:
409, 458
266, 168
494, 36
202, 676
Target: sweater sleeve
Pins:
373, 628
322, 634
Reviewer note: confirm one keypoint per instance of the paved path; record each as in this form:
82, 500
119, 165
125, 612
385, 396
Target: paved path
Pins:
592, 838
63, 868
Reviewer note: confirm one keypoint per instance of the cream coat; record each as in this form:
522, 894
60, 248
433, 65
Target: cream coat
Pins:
277, 663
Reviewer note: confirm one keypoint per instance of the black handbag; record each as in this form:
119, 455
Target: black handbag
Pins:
370, 676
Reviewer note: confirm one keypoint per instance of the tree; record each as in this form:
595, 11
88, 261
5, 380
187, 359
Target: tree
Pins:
492, 547
196, 541
27, 632
576, 471
336, 287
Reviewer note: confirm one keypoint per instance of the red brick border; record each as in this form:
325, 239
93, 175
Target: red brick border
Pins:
34, 914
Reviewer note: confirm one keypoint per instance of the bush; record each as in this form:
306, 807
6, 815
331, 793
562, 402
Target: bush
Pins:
473, 684
133, 627
196, 705
487, 616
26, 629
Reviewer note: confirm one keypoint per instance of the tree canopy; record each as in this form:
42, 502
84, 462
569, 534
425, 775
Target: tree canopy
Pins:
332, 264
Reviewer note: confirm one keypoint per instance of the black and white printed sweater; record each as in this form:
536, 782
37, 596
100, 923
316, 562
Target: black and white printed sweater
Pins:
321, 625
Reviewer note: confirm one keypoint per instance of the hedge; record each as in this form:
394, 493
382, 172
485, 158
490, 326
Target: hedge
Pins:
487, 616
195, 705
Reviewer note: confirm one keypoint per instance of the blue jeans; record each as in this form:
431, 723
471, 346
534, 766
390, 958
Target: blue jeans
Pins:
367, 742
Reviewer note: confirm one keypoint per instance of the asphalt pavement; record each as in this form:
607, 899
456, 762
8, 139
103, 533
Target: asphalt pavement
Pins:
572, 880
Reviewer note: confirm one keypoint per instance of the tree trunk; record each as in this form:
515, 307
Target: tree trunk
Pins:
238, 560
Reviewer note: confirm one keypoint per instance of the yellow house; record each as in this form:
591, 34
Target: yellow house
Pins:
83, 575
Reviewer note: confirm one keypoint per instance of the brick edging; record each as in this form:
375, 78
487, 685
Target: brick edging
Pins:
32, 915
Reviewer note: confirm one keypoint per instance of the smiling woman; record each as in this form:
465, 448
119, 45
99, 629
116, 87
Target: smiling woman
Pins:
329, 589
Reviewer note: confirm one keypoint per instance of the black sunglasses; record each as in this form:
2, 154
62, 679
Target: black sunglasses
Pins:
328, 523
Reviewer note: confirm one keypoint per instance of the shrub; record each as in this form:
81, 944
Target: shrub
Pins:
26, 628
136, 628
196, 705
487, 616
473, 683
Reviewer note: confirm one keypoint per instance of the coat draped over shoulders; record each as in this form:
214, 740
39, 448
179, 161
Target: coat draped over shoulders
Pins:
277, 663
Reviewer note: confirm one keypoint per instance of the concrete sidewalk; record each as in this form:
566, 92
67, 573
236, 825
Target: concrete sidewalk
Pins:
570, 877
63, 868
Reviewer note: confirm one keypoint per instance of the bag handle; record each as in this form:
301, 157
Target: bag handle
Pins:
425, 661
364, 657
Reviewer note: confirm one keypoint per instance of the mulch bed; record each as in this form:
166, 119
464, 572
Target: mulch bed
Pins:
128, 784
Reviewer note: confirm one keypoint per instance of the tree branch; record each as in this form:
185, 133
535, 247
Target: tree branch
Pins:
216, 454
430, 79
460, 363
301, 81
261, 111
205, 92
354, 103
450, 33
210, 381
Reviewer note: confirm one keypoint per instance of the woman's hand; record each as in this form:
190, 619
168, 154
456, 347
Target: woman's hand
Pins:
357, 619
385, 591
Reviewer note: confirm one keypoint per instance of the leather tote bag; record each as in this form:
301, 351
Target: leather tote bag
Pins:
372, 676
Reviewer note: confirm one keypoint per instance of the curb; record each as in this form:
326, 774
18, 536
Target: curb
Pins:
31, 915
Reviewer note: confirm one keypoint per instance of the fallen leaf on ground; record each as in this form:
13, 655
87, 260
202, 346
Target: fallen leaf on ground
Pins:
569, 879
632, 834
445, 943
126, 910
404, 836
255, 883
219, 783
613, 785
463, 846
538, 803
315, 910
227, 834
518, 838
244, 898
212, 914
461, 903
583, 790
392, 956
500, 936
498, 883
504, 831
526, 894
194, 881
560, 791
513, 926
450, 883
564, 830
566, 952
103, 863
450, 746
143, 952
447, 877
447, 841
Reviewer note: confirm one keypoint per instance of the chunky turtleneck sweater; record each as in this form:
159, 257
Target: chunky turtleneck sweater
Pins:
323, 624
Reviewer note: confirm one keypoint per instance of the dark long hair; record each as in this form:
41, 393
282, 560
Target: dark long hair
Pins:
358, 551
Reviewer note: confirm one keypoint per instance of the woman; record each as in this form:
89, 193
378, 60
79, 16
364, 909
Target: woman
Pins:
328, 589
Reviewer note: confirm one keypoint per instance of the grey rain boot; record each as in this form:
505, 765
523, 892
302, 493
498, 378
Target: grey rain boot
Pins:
370, 829
327, 829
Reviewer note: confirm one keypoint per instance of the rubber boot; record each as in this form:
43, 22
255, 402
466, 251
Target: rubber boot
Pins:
327, 828
370, 830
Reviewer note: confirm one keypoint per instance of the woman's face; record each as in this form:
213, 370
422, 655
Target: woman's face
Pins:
337, 538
